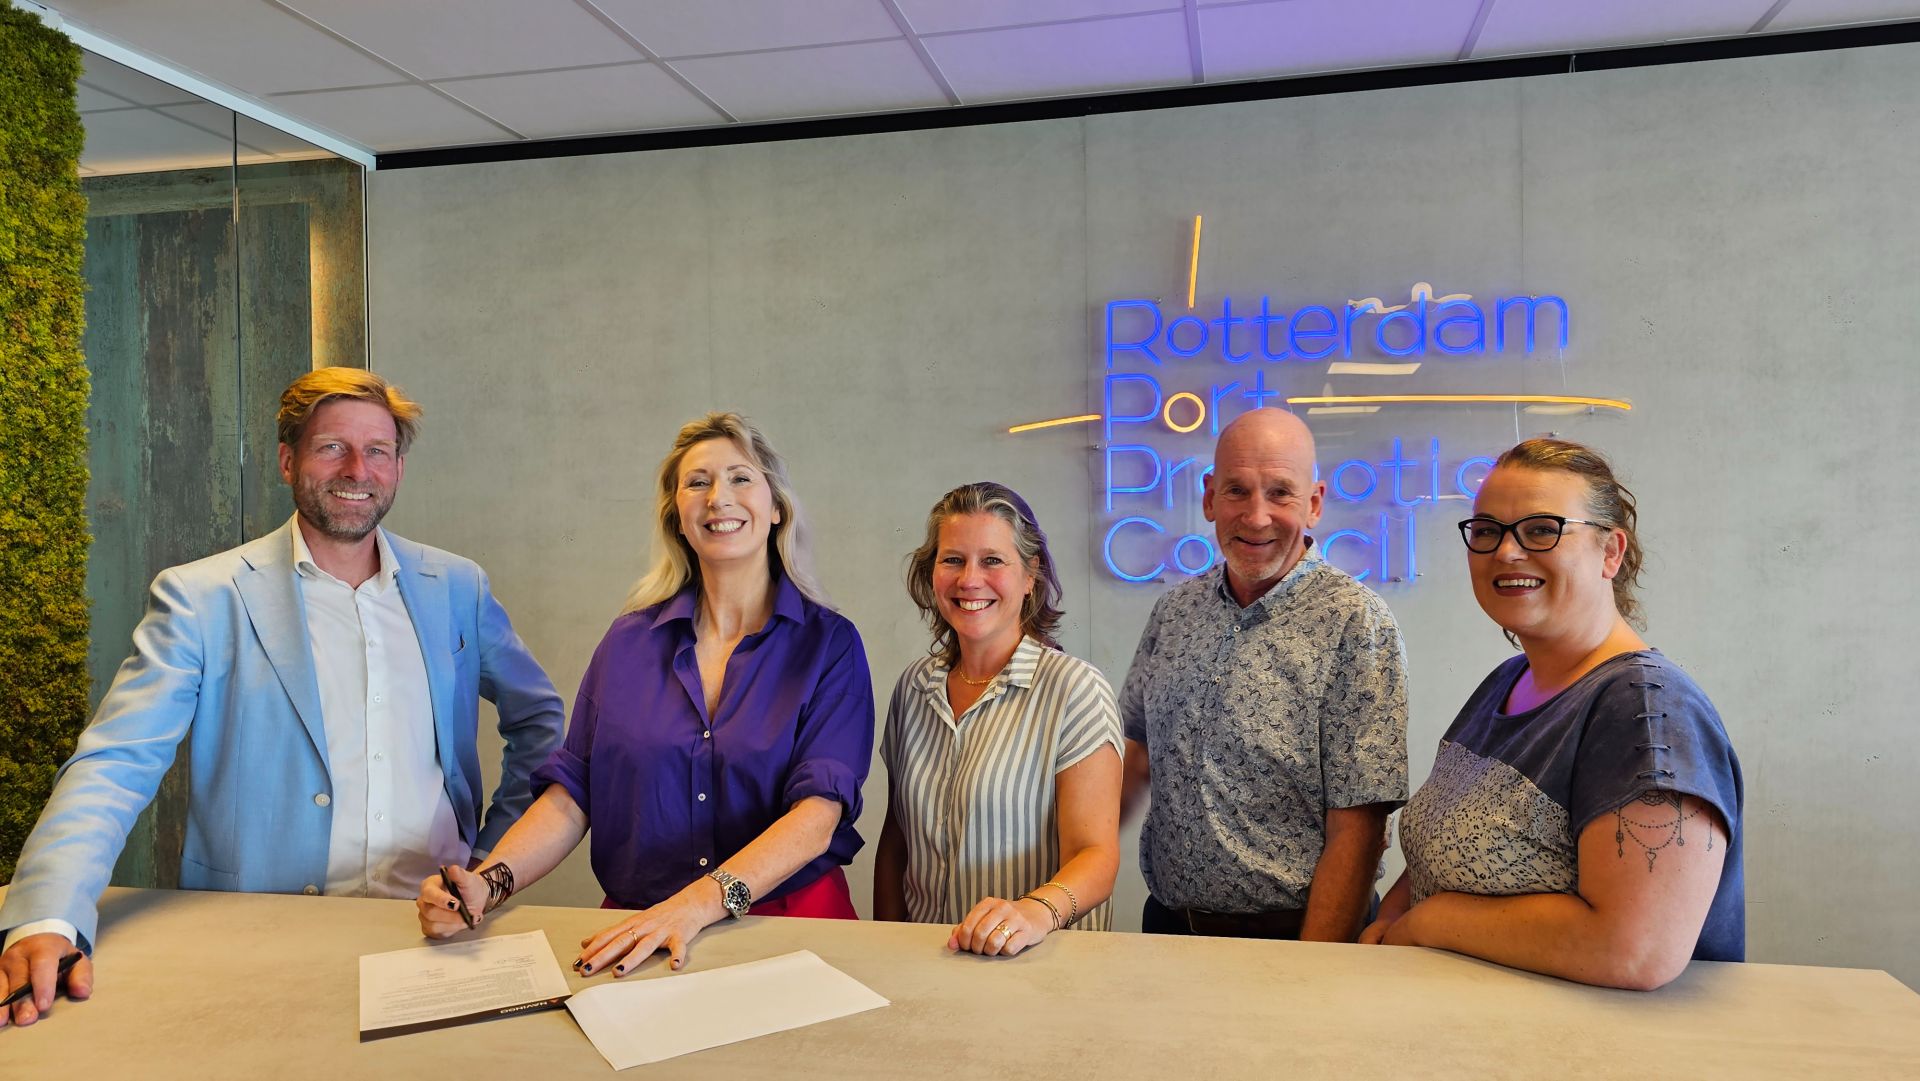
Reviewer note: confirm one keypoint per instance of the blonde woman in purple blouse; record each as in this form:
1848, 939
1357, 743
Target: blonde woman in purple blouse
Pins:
721, 733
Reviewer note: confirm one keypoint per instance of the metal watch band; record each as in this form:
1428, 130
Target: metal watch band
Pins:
736, 896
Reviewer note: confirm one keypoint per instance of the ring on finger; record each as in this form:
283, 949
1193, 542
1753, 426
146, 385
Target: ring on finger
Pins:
1003, 930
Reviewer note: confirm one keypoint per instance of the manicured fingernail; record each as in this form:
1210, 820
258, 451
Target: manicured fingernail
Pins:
620, 968
451, 904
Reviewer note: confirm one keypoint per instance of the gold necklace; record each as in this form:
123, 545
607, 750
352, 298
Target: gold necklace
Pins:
975, 682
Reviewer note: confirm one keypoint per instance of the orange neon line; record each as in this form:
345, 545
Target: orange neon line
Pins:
1193, 264
1562, 399
1054, 423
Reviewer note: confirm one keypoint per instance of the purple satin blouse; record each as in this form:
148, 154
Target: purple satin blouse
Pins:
669, 792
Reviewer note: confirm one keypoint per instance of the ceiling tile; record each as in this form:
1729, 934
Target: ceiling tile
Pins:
251, 47
935, 16
1543, 26
1066, 58
1253, 40
876, 77
144, 141
694, 27
1813, 14
436, 40
585, 101
390, 118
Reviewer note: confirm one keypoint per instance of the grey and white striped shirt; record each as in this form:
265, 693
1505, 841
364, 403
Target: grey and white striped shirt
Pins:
975, 796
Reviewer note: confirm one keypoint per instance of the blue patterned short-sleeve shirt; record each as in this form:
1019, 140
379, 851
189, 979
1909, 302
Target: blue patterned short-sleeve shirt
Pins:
1510, 793
1257, 721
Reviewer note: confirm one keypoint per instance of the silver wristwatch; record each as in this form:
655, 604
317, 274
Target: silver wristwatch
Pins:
734, 893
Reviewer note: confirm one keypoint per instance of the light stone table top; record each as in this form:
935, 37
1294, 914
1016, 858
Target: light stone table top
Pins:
198, 985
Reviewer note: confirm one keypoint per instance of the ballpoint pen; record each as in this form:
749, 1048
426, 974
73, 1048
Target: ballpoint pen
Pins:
459, 901
25, 989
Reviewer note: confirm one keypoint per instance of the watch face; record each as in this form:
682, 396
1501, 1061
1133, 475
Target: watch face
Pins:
737, 896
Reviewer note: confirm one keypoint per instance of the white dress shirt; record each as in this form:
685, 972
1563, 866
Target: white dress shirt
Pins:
393, 823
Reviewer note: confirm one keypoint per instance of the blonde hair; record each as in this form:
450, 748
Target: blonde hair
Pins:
1039, 612
674, 564
322, 385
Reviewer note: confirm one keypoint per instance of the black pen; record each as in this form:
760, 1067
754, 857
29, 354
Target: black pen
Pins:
25, 989
457, 899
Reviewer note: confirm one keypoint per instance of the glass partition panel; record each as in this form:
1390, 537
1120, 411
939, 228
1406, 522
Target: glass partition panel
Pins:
223, 258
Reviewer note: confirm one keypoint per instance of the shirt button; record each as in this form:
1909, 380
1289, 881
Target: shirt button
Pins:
376, 698
377, 756
703, 797
379, 816
703, 861
321, 799
311, 890
707, 734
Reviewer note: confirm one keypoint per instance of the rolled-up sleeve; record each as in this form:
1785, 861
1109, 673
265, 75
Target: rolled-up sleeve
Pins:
833, 747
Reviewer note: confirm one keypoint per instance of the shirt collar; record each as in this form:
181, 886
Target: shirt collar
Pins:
788, 603
1020, 669
303, 563
1308, 558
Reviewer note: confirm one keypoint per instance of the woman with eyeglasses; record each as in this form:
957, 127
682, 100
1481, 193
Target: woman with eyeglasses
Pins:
1583, 814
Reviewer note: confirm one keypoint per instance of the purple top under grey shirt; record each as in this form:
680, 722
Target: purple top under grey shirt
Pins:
670, 792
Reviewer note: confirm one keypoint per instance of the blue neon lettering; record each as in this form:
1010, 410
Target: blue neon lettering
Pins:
1205, 546
1106, 550
1326, 549
1460, 476
1471, 315
1226, 323
1531, 306
1142, 345
1265, 320
1398, 464
1296, 332
1114, 416
1340, 487
1415, 317
1173, 331
1131, 489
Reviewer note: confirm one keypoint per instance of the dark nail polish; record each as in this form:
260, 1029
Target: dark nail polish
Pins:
619, 968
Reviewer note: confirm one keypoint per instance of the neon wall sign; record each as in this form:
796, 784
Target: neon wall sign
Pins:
1173, 378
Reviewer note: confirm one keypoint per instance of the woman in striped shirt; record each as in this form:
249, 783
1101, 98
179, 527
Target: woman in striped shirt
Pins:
1002, 752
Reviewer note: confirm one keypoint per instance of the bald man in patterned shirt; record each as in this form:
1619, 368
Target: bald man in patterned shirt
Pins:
1265, 714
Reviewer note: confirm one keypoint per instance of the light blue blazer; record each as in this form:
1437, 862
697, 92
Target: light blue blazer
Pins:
222, 653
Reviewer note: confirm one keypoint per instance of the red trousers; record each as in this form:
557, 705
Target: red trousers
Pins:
825, 898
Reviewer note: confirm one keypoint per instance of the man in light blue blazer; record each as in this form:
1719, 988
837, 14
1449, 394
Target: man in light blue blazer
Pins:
330, 674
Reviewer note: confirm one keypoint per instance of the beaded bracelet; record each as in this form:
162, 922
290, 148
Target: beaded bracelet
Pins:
1049, 904
1074, 901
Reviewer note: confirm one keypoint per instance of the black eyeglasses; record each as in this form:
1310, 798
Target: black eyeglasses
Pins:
1535, 532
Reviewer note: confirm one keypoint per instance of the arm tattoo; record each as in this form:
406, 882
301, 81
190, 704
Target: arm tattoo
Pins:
1667, 825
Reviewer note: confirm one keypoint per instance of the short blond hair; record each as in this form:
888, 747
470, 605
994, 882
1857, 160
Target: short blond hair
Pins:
322, 385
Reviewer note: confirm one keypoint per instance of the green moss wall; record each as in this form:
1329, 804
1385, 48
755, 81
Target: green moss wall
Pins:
43, 416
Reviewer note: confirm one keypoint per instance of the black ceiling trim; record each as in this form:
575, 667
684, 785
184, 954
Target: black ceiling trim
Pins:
1851, 37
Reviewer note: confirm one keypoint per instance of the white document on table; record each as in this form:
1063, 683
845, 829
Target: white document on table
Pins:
457, 983
632, 1024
